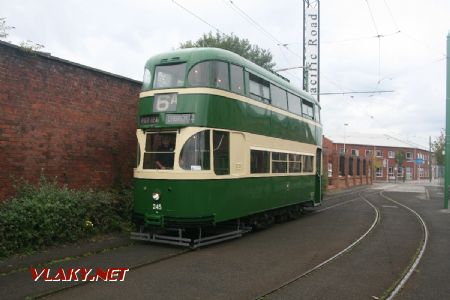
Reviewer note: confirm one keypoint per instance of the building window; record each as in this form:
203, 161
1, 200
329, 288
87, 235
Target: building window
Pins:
391, 171
364, 167
408, 173
408, 155
341, 166
358, 166
400, 172
368, 153
391, 154
379, 172
350, 166
355, 152
341, 151
379, 153
259, 162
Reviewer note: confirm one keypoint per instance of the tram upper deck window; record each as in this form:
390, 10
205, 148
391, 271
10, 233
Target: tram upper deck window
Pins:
168, 76
278, 97
195, 153
147, 79
259, 88
294, 104
219, 75
210, 74
308, 109
159, 150
317, 113
237, 79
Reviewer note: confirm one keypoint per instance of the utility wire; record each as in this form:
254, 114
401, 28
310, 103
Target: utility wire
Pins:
243, 13
392, 16
249, 19
198, 17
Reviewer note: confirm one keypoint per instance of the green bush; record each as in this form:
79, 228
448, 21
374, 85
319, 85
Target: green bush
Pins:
47, 214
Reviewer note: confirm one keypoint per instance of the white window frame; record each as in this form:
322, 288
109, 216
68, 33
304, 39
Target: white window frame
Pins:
391, 154
355, 152
379, 152
391, 171
379, 172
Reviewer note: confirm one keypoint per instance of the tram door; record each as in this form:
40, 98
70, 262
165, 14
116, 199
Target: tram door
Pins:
318, 183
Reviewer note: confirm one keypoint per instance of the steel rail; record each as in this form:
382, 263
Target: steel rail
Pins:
402, 281
334, 257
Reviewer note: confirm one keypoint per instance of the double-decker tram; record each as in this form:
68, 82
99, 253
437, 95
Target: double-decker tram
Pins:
223, 146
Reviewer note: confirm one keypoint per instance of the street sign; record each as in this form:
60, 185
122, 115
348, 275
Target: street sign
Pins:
419, 161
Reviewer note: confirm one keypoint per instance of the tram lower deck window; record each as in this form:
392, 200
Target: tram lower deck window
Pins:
259, 161
195, 153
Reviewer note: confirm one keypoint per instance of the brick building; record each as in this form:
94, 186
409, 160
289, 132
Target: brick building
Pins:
64, 120
344, 171
384, 149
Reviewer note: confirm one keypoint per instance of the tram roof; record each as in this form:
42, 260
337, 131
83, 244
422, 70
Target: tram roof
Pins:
195, 55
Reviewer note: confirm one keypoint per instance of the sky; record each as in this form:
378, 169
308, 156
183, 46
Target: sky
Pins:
407, 57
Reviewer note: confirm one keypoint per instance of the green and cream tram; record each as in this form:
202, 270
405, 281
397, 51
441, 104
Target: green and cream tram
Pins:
221, 139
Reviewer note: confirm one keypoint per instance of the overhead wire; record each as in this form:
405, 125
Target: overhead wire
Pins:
280, 46
199, 18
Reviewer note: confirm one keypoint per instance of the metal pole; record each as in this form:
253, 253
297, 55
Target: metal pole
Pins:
430, 174
447, 129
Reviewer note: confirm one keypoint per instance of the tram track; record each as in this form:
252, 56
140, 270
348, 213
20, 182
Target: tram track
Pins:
400, 282
335, 256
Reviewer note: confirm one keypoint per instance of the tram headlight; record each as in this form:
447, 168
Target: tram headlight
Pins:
156, 196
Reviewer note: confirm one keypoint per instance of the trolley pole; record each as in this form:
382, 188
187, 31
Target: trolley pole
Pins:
447, 129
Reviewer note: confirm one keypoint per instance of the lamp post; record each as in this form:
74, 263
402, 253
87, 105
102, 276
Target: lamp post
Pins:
447, 129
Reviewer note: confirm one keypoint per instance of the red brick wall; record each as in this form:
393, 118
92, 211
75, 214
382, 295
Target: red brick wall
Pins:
64, 120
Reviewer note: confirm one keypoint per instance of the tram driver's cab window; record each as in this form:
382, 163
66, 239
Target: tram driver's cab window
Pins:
194, 155
168, 76
159, 150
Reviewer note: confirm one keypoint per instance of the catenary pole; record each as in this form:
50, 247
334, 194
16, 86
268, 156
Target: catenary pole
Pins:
447, 129
430, 170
